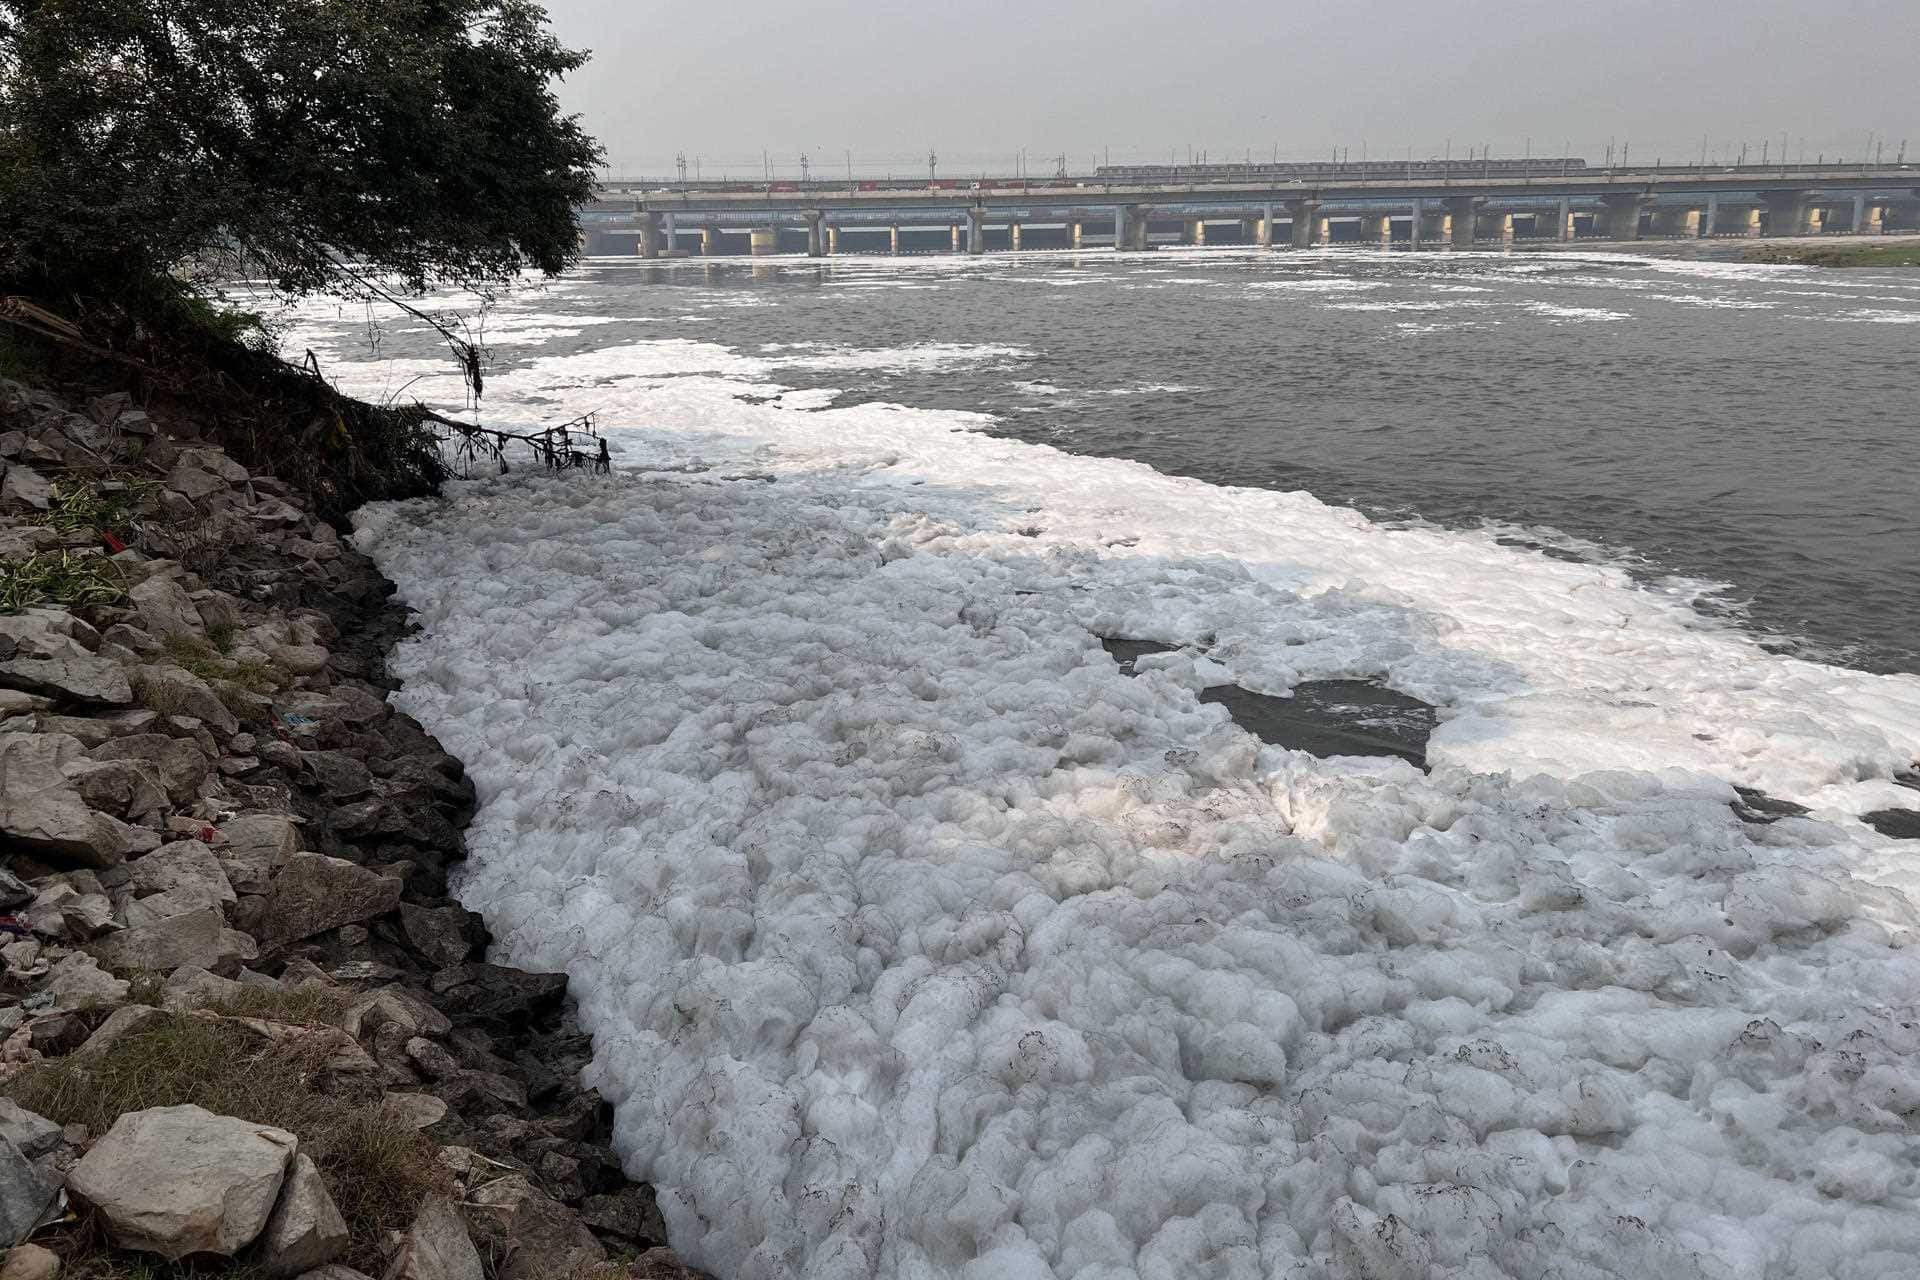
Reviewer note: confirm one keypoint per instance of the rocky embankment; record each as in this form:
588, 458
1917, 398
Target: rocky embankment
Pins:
241, 1018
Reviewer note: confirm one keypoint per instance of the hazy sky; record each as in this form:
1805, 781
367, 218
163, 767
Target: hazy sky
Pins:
979, 80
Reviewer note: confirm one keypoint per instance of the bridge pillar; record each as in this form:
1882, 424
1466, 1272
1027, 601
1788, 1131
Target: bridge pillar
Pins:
1131, 227
649, 235
1816, 220
833, 241
1709, 218
709, 241
673, 242
1463, 212
1076, 230
1788, 213
1669, 222
1415, 232
1876, 221
1376, 230
816, 243
1013, 236
1551, 224
893, 239
976, 231
954, 230
1620, 217
1263, 229
764, 241
1306, 222
1193, 231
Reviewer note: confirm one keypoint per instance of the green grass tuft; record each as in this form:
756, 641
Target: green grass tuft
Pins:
62, 578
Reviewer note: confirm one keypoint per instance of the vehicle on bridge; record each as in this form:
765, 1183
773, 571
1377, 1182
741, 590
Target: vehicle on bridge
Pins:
1547, 166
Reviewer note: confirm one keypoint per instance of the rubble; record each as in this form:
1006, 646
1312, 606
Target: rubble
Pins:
206, 796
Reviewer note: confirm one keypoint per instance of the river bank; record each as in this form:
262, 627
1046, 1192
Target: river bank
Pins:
227, 858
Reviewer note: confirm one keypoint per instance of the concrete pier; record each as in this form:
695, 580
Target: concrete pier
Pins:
893, 239
709, 241
1709, 218
1305, 215
1376, 230
1263, 235
833, 241
976, 231
816, 242
1463, 213
649, 235
1788, 213
1130, 228
763, 241
1193, 231
1620, 217
954, 228
1013, 236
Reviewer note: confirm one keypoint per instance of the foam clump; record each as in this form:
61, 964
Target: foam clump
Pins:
917, 940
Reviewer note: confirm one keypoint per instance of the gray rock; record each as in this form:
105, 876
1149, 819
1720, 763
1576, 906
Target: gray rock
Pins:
306, 1229
181, 1180
335, 1272
13, 890
15, 702
41, 810
58, 666
177, 691
397, 1005
180, 764
412, 1110
35, 1135
77, 981
217, 462
444, 935
30, 1262
165, 609
630, 1213
62, 911
255, 847
183, 865
119, 787
198, 938
437, 1246
190, 987
122, 1022
193, 483
543, 1238
24, 489
25, 1194
314, 893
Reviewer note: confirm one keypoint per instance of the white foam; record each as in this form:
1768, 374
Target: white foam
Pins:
917, 941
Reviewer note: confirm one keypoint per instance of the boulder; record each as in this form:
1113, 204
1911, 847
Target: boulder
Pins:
13, 890
306, 1229
181, 1180
194, 483
254, 848
30, 1262
94, 730
396, 1005
436, 1246
412, 1110
184, 865
122, 1022
338, 774
443, 935
41, 810
314, 893
190, 987
25, 1194
179, 765
119, 787
62, 911
630, 1213
177, 691
24, 489
77, 981
35, 1135
540, 1238
165, 609
198, 938
45, 662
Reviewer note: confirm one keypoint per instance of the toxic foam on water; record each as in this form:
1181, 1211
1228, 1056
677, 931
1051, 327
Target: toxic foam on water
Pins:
917, 940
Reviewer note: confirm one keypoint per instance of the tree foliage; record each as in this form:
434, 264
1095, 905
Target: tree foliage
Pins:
417, 139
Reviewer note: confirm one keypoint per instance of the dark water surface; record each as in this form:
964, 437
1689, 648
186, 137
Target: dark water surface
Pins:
1753, 426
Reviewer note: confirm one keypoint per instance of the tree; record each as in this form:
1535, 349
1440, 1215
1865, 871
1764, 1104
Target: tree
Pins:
312, 143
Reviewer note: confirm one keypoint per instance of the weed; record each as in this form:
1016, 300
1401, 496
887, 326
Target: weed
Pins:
308, 1004
60, 577
256, 675
114, 502
192, 654
377, 1174
221, 636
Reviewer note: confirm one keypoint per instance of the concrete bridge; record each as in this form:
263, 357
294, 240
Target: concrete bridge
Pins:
1426, 212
